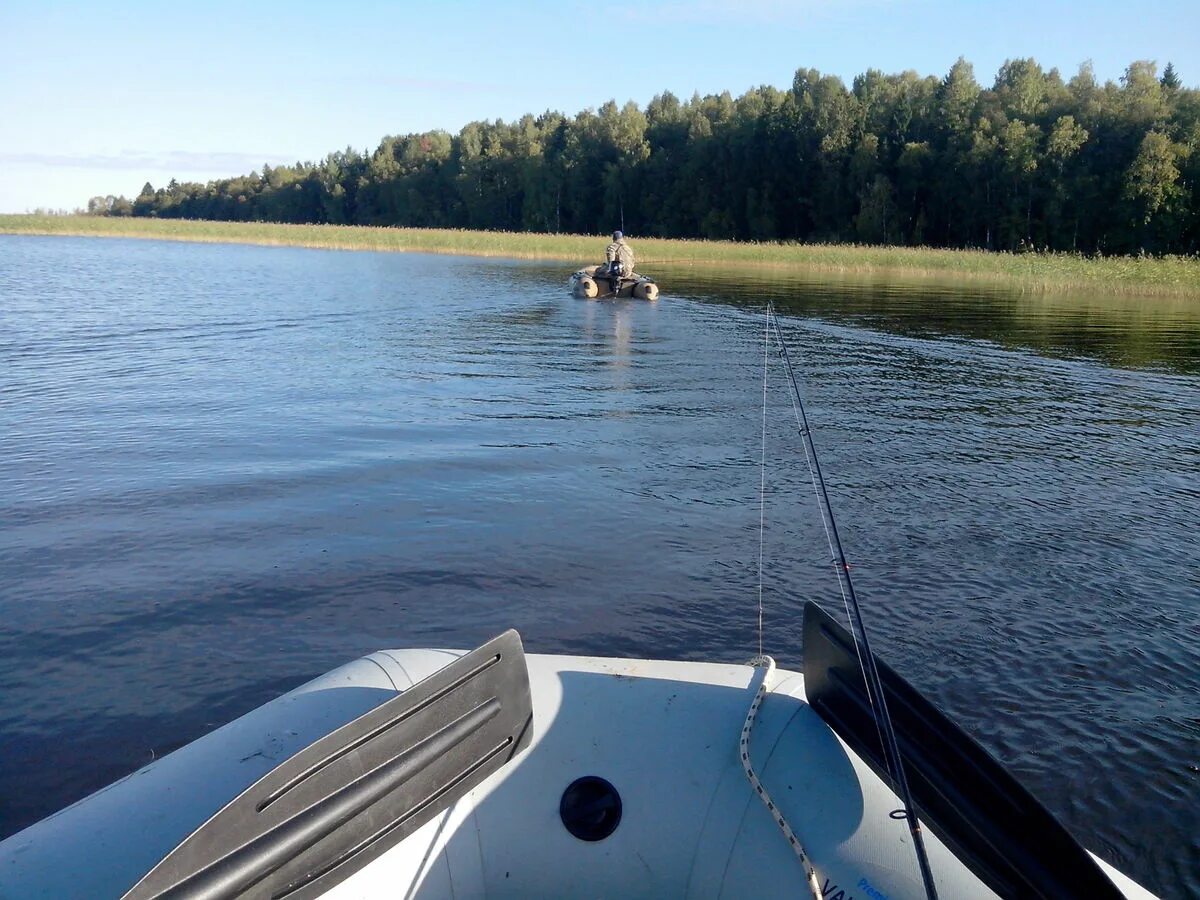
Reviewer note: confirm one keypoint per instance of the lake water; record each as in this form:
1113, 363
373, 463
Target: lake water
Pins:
227, 469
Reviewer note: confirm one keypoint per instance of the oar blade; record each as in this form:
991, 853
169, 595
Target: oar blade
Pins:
969, 800
345, 799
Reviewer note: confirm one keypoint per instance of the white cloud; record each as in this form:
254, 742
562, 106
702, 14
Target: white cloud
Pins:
742, 12
139, 160
426, 85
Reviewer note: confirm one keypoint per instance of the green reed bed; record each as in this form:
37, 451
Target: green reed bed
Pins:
1175, 275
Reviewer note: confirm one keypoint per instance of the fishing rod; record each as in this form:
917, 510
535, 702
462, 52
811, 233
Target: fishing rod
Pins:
866, 659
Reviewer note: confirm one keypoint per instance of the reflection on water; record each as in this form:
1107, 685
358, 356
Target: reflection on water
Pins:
1130, 331
612, 331
224, 470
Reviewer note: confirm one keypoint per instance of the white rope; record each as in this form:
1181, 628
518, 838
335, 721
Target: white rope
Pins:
810, 873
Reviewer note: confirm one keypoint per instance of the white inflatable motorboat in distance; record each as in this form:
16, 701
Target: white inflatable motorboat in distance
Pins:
433, 773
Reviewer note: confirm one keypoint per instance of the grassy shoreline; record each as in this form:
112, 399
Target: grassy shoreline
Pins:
1038, 272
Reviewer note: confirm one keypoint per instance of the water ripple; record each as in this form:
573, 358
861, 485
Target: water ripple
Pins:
227, 469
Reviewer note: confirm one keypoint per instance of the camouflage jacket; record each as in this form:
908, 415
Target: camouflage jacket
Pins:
620, 250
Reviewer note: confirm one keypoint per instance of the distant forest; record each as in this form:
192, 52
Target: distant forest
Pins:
1031, 162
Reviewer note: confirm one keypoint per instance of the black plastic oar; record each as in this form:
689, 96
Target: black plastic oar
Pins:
342, 801
969, 800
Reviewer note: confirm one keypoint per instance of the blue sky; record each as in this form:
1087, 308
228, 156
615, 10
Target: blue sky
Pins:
98, 98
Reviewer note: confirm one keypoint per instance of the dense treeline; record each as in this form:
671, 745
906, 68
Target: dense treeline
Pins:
895, 159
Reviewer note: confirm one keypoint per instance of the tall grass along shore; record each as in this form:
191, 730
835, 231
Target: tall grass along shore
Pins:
1042, 272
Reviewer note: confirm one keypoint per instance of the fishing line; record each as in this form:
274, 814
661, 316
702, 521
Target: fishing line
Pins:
827, 525
766, 663
866, 658
762, 484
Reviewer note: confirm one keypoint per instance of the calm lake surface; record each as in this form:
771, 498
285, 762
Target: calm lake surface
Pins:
226, 469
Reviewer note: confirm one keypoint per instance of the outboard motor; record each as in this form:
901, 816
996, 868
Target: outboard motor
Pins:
616, 269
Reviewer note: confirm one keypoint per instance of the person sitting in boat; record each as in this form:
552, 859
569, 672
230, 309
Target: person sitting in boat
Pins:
618, 261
